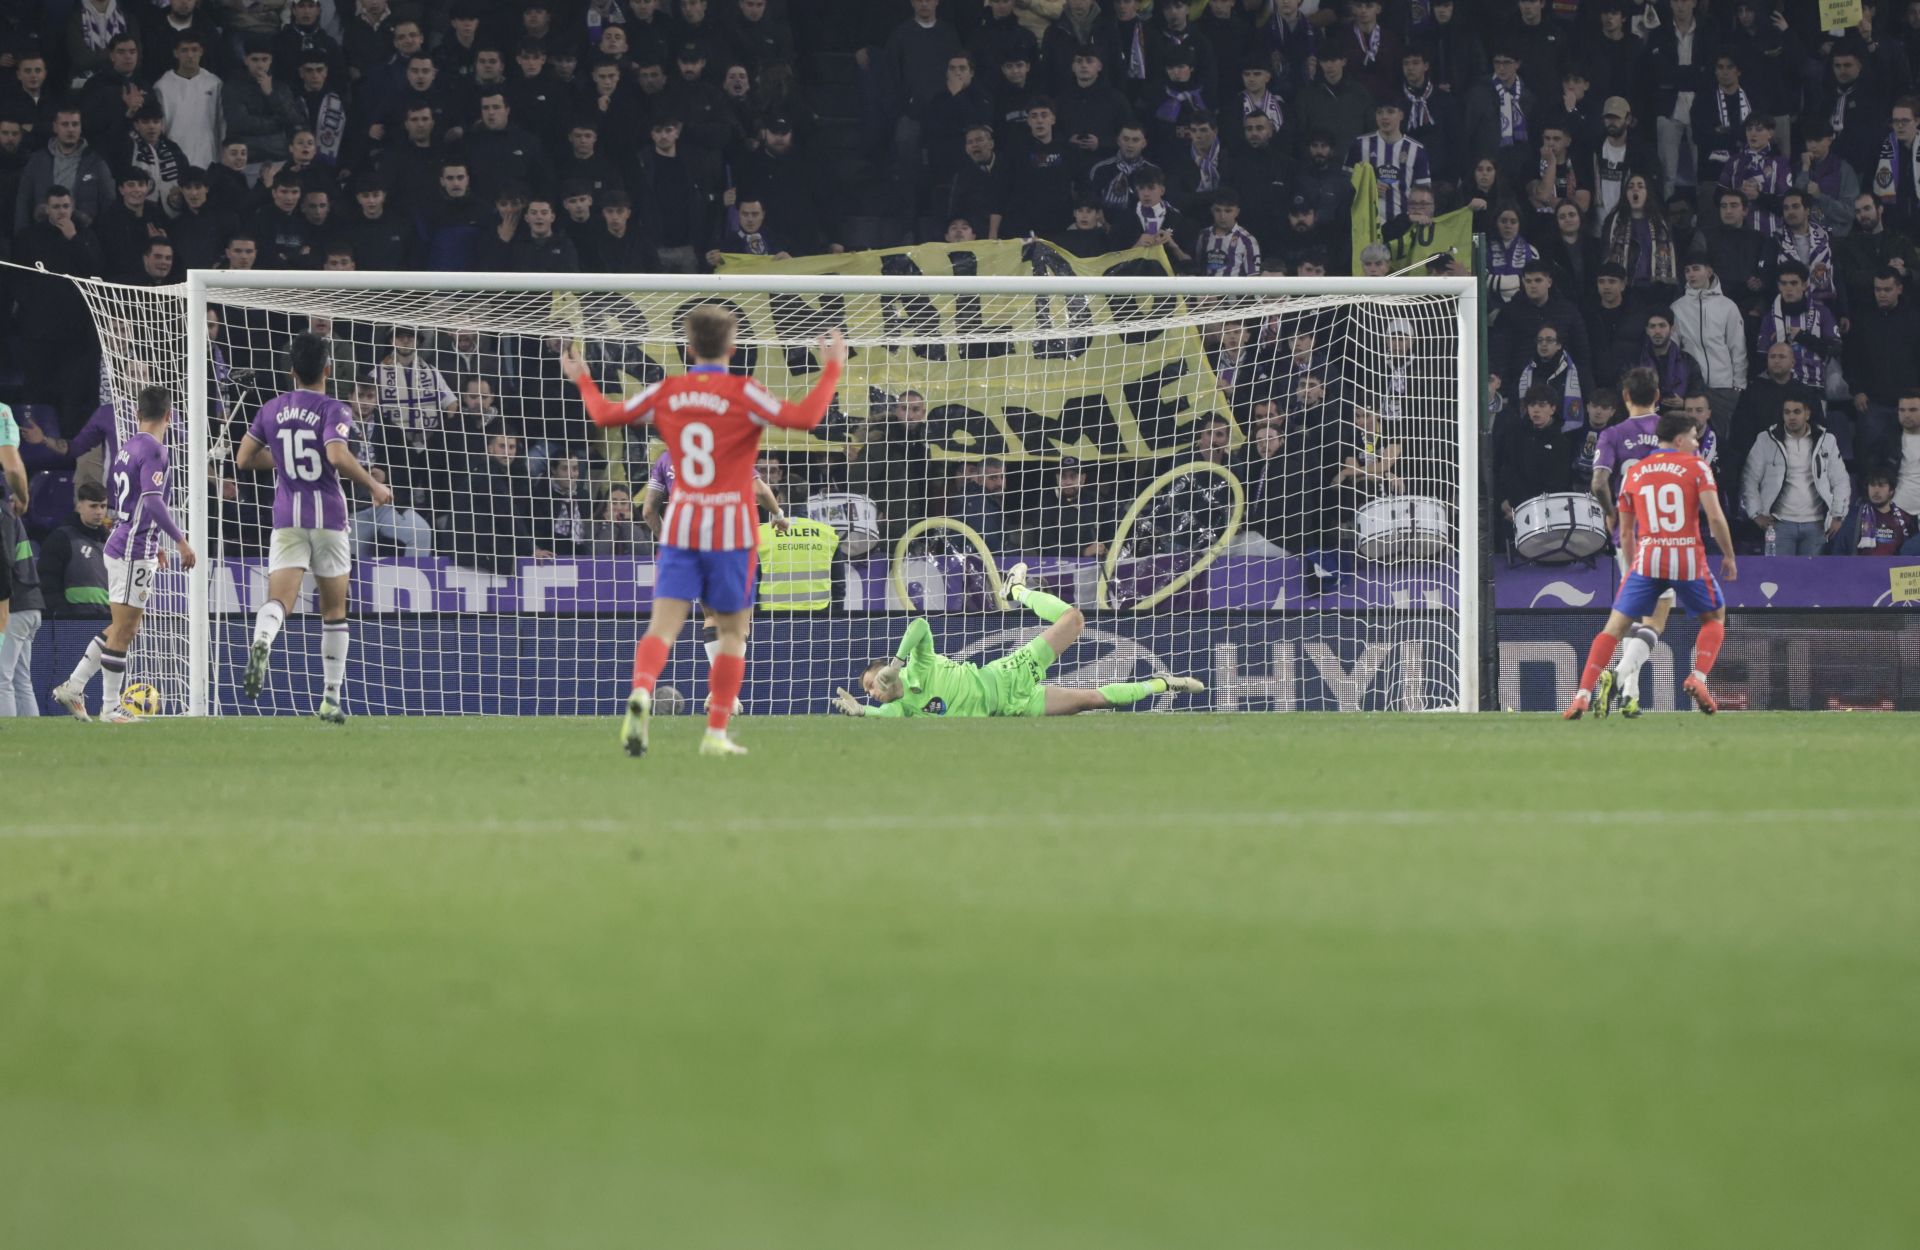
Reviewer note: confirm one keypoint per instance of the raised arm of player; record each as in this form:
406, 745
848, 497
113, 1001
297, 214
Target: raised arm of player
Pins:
346, 465
605, 412
1722, 534
915, 654
810, 411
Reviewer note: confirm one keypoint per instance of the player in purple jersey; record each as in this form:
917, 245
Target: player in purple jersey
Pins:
306, 438
653, 509
137, 484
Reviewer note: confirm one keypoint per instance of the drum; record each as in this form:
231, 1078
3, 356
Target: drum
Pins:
1559, 528
1400, 527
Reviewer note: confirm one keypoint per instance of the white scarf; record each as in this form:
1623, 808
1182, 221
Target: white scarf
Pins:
99, 26
1513, 122
1720, 106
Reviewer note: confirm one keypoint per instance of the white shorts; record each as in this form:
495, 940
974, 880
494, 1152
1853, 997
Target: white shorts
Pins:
1626, 566
130, 581
323, 553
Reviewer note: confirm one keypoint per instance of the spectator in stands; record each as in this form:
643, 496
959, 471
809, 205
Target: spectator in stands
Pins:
1070, 519
668, 183
983, 182
1737, 252
73, 559
1553, 371
191, 95
1794, 485
67, 161
563, 520
1533, 456
1225, 249
1152, 221
616, 534
533, 245
1040, 197
1827, 180
501, 153
62, 354
1188, 515
1603, 409
1876, 526
199, 230
1804, 324
413, 397
259, 108
1678, 374
1899, 452
115, 92
978, 501
1638, 239
1337, 105
126, 224
1709, 328
1761, 405
620, 243
1616, 323
145, 147
892, 464
1881, 362
496, 509
284, 238
1801, 238
1514, 334
1869, 248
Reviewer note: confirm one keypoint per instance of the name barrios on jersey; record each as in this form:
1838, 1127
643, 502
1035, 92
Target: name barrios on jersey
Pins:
698, 399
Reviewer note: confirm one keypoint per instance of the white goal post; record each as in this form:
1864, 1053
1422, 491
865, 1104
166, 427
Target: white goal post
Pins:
1271, 482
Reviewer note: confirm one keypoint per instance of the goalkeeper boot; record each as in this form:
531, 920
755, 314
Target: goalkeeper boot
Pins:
332, 713
633, 730
1577, 708
717, 742
1185, 685
1016, 579
256, 674
1696, 688
118, 716
72, 698
1603, 692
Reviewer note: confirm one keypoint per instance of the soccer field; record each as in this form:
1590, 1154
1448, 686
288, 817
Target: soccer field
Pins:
1331, 982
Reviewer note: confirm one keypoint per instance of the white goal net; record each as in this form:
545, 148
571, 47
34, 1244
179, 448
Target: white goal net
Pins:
1269, 484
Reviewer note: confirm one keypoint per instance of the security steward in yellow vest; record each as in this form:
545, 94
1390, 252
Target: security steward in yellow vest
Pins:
796, 568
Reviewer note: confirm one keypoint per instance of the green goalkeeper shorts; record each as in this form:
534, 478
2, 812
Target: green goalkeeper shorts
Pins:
1015, 680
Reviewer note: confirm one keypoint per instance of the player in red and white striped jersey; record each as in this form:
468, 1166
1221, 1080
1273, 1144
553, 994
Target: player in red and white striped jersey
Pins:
712, 420
1661, 499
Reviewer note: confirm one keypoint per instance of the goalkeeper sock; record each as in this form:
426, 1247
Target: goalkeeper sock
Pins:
113, 672
1633, 656
89, 663
266, 626
648, 659
334, 641
1048, 608
1597, 657
723, 687
1121, 693
1706, 648
712, 646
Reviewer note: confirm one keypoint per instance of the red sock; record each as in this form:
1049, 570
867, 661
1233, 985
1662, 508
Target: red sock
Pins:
648, 659
1706, 648
723, 687
1597, 657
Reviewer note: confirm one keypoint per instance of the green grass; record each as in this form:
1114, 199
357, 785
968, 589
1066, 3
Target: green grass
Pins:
1338, 983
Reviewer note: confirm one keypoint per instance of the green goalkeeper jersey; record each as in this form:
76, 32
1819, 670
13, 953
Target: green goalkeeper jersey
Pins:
937, 686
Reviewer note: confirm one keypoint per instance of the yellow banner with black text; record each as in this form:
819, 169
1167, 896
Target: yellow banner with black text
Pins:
1020, 377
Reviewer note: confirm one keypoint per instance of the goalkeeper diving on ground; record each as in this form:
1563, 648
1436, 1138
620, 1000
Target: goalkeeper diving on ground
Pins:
918, 681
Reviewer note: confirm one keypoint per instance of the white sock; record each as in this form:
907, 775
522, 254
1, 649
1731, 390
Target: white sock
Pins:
113, 673
334, 640
1633, 657
713, 649
266, 626
89, 663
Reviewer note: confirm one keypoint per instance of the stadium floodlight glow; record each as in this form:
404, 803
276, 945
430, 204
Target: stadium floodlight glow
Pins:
964, 400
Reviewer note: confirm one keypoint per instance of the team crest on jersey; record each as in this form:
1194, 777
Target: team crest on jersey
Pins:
341, 429
935, 707
158, 477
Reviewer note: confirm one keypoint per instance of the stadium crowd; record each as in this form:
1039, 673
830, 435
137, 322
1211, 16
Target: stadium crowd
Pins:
1726, 193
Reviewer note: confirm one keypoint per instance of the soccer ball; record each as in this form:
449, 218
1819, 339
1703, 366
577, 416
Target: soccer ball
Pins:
140, 699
